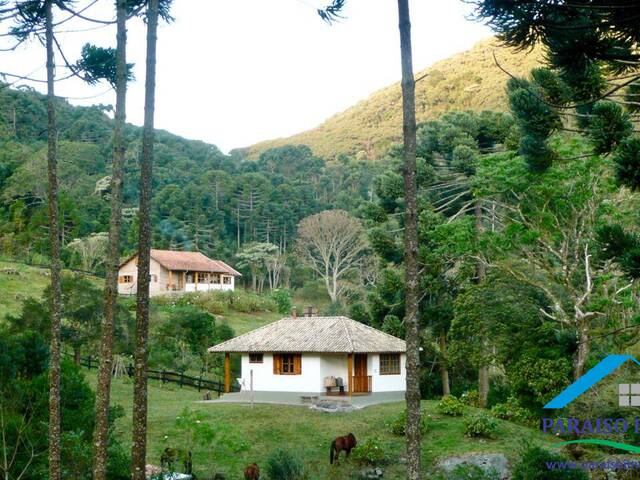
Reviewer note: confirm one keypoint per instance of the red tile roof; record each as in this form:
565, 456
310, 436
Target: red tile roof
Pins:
189, 261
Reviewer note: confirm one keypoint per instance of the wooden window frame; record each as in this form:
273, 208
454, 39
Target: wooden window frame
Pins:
292, 360
388, 363
256, 358
154, 278
123, 279
226, 280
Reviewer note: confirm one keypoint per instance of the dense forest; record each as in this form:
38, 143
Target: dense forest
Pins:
202, 199
503, 245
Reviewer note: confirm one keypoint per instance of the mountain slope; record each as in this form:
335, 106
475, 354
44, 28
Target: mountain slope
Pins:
466, 81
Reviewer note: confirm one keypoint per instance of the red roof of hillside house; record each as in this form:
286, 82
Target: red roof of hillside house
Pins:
189, 261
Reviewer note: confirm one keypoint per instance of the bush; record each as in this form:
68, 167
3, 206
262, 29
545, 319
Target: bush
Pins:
283, 301
281, 465
399, 424
533, 466
450, 405
512, 411
471, 398
371, 452
468, 471
480, 425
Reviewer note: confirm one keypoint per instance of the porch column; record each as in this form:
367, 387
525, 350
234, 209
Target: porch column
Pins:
170, 280
227, 372
350, 372
184, 280
196, 281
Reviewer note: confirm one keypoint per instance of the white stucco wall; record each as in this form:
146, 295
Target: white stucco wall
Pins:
315, 367
264, 380
386, 383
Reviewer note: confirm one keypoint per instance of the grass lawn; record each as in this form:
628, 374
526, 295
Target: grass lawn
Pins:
305, 433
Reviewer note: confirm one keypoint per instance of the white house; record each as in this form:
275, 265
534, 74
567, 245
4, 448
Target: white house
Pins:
177, 272
315, 355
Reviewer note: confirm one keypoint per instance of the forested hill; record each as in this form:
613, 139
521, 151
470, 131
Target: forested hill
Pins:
203, 199
466, 81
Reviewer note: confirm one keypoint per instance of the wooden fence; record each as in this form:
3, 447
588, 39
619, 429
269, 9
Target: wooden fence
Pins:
166, 376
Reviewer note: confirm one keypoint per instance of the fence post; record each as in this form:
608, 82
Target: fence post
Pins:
200, 382
181, 379
89, 360
162, 376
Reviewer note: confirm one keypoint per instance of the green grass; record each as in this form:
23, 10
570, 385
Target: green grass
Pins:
244, 322
304, 432
30, 282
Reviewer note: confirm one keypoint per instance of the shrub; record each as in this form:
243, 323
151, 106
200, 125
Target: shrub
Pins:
450, 405
281, 465
371, 452
468, 471
283, 300
480, 425
533, 466
512, 411
471, 398
399, 424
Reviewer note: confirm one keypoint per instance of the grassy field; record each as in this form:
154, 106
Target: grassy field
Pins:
305, 433
30, 281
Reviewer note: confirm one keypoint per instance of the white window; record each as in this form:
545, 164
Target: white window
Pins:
629, 395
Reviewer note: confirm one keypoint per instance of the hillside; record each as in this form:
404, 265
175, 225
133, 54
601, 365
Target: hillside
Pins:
467, 81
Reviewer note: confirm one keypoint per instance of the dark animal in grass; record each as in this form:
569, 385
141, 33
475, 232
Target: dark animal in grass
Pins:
252, 472
176, 455
345, 443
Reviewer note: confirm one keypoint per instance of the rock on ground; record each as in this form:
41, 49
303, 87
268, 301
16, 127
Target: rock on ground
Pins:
333, 406
486, 461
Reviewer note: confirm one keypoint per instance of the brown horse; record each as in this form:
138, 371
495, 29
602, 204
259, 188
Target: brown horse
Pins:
345, 443
252, 472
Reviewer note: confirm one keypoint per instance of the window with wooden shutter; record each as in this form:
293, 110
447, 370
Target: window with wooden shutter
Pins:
287, 364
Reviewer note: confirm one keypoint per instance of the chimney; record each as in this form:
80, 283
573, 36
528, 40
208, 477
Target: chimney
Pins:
310, 311
294, 312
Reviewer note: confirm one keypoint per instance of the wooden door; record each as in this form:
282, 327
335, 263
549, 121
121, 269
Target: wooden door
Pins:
361, 378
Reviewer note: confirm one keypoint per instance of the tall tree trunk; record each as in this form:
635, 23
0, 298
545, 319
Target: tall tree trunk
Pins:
444, 371
54, 240
105, 370
481, 273
410, 246
139, 437
582, 352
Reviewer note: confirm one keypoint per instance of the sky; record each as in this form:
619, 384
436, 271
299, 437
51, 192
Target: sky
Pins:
234, 73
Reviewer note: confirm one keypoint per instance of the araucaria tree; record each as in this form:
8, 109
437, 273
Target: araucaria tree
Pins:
35, 17
331, 243
141, 355
412, 327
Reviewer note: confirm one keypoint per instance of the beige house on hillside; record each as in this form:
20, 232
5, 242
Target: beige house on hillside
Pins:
177, 272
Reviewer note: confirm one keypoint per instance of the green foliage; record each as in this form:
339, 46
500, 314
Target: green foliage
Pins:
450, 405
371, 452
621, 246
512, 411
480, 425
282, 465
398, 425
393, 326
464, 159
97, 63
627, 162
193, 429
533, 466
608, 125
470, 398
283, 300
24, 408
